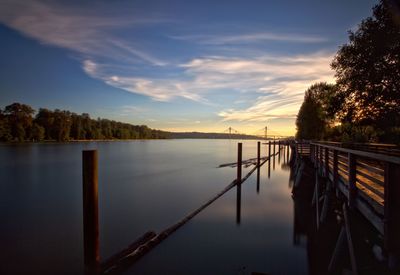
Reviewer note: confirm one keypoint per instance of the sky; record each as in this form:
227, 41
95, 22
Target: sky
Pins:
173, 65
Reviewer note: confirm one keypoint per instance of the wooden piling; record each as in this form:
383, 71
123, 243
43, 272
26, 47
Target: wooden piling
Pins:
391, 212
239, 183
274, 148
91, 246
349, 240
239, 165
269, 150
258, 165
317, 199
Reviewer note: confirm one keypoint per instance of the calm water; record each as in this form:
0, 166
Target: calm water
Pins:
146, 185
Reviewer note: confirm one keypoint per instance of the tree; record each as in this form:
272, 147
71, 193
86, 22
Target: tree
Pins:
45, 118
19, 117
317, 111
37, 132
368, 70
5, 131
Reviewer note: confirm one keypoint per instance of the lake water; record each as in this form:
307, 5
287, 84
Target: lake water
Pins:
146, 185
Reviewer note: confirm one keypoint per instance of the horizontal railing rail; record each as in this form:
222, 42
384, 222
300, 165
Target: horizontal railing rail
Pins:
369, 180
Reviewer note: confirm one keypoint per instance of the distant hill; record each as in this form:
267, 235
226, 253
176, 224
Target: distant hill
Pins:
210, 135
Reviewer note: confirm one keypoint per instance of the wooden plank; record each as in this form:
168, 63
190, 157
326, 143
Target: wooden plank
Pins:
385, 158
373, 169
363, 174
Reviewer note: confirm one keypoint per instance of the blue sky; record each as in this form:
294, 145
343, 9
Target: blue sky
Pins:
173, 65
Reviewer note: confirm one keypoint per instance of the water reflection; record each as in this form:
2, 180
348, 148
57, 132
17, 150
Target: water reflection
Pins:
238, 203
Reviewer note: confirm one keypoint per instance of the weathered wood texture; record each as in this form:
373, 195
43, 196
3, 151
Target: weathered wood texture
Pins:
91, 246
370, 181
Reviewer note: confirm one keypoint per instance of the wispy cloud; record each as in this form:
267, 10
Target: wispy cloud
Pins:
79, 30
273, 83
250, 38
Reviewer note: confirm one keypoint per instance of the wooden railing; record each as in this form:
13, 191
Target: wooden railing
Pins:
369, 181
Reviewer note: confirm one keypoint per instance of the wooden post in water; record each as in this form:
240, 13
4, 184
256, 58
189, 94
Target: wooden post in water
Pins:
269, 150
239, 183
258, 165
239, 165
269, 159
91, 247
274, 147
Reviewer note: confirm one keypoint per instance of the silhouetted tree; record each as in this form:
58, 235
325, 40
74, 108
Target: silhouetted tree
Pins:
317, 112
368, 71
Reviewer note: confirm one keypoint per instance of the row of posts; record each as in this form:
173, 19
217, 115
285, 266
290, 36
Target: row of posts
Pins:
90, 201
239, 170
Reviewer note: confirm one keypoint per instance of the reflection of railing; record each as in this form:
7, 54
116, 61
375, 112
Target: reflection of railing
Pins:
369, 180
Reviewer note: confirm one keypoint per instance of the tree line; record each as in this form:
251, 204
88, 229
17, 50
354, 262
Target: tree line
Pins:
364, 104
18, 123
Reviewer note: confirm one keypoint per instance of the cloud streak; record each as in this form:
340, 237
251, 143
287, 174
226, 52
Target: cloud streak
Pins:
76, 29
248, 38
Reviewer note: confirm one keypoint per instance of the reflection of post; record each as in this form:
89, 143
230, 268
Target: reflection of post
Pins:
269, 168
91, 247
287, 153
258, 165
279, 151
239, 183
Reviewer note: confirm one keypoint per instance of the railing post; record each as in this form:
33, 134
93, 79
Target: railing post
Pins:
320, 160
312, 153
352, 179
335, 169
326, 162
391, 218
91, 248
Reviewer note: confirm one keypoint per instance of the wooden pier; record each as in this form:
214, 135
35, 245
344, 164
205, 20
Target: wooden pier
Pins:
366, 177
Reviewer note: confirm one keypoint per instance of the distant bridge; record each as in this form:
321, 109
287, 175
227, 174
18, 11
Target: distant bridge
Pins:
263, 133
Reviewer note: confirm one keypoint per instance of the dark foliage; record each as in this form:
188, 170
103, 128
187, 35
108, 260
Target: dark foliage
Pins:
18, 124
368, 72
365, 102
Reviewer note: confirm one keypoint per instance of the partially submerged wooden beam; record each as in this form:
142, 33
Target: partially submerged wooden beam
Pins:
113, 263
